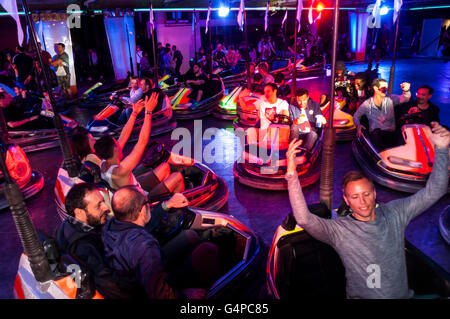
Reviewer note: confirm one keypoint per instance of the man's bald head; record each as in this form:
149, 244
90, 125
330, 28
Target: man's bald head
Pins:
127, 203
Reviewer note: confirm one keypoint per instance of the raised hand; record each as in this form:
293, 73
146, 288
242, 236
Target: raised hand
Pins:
291, 155
178, 200
405, 86
151, 103
439, 135
139, 105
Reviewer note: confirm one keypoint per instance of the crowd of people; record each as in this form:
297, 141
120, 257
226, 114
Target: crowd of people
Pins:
22, 69
114, 238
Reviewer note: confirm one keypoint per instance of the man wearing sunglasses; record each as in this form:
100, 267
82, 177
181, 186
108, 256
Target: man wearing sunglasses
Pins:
379, 110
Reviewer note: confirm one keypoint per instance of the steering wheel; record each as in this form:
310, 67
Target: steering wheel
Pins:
411, 118
282, 119
154, 154
175, 221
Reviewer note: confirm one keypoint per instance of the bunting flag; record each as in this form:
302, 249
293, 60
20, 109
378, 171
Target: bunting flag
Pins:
266, 17
240, 16
299, 13
208, 18
10, 6
284, 19
310, 14
151, 19
397, 6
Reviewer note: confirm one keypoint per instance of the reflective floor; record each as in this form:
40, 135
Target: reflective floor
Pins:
262, 211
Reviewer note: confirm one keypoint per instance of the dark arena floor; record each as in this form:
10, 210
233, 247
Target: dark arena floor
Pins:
261, 211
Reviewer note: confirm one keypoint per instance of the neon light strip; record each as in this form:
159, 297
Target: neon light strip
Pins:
425, 8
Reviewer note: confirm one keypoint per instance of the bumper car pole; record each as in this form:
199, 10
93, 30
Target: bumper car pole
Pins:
69, 162
247, 58
31, 245
391, 74
3, 128
155, 60
294, 70
210, 59
327, 169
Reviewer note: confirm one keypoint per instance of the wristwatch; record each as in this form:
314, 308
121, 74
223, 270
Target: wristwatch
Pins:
148, 112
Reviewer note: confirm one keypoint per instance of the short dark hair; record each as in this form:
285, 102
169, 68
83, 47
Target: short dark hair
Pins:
257, 77
174, 47
279, 77
128, 210
361, 76
104, 147
353, 176
377, 82
148, 81
429, 88
197, 64
62, 44
263, 66
301, 92
79, 142
272, 85
75, 197
21, 48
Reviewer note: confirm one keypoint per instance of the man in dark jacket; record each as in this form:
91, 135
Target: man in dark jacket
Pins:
133, 251
80, 235
427, 111
306, 116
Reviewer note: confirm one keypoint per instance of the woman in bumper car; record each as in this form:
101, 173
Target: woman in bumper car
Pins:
160, 180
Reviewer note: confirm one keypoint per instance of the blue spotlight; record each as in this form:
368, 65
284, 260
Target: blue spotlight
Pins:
223, 11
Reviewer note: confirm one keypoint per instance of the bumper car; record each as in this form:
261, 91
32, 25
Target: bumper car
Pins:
233, 77
226, 110
300, 266
106, 121
444, 224
403, 168
30, 182
98, 95
247, 114
204, 189
168, 85
342, 121
186, 108
263, 164
306, 67
240, 247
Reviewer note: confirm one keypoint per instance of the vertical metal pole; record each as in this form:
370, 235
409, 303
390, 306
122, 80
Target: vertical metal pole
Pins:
129, 51
247, 52
210, 45
327, 169
69, 163
294, 71
195, 35
155, 63
31, 245
392, 73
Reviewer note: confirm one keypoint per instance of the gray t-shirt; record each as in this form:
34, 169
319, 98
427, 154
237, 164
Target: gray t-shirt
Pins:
375, 248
